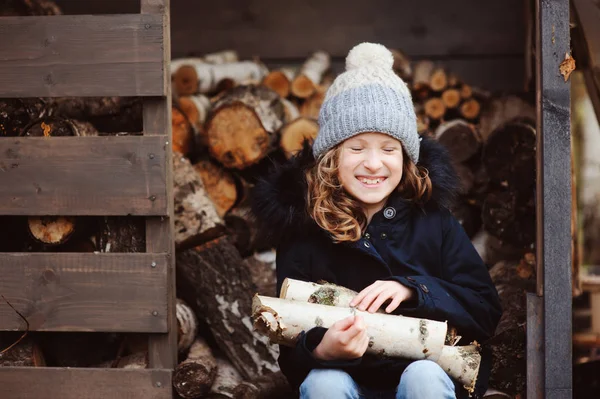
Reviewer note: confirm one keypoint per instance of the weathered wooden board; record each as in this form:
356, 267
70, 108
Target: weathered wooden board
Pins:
159, 230
70, 383
82, 55
83, 175
84, 292
553, 189
295, 28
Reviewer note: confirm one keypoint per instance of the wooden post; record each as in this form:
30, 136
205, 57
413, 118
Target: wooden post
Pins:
553, 212
162, 348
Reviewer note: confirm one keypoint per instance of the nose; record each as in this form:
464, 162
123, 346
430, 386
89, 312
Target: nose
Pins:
372, 161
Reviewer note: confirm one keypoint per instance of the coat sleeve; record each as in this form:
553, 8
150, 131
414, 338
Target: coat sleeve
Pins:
465, 296
293, 261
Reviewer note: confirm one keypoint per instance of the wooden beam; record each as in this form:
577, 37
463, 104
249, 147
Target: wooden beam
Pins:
76, 383
535, 347
159, 231
81, 55
77, 175
84, 292
553, 187
294, 29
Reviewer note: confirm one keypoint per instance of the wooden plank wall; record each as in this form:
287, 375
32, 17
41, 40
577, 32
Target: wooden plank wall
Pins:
76, 176
483, 42
53, 60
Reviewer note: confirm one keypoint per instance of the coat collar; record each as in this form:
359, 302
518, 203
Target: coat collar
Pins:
279, 200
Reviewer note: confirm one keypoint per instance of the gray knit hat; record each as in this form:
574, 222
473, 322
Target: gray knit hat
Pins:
368, 97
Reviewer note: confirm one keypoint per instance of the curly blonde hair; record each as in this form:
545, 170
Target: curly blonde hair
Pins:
341, 215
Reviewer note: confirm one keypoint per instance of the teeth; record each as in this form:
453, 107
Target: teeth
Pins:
370, 181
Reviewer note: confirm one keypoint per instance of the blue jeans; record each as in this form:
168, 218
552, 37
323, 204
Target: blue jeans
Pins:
422, 379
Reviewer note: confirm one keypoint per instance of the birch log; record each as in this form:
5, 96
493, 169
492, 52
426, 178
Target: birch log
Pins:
202, 77
226, 381
187, 325
196, 220
280, 81
311, 74
460, 362
194, 376
282, 321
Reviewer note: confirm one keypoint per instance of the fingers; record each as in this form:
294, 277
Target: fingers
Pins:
358, 298
394, 304
356, 328
371, 296
380, 299
344, 324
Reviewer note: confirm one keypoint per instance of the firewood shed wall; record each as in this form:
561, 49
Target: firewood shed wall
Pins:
482, 42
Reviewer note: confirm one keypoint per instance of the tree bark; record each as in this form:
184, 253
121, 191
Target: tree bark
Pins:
121, 234
226, 380
26, 353
213, 280
510, 217
187, 326
509, 155
269, 386
243, 126
513, 281
198, 76
460, 138
310, 74
194, 376
196, 220
501, 110
220, 185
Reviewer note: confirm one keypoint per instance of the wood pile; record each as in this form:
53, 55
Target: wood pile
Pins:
232, 120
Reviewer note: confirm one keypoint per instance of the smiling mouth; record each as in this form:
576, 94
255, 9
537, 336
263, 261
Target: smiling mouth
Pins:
373, 181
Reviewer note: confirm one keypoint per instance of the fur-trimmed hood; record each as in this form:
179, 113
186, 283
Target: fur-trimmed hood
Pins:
279, 200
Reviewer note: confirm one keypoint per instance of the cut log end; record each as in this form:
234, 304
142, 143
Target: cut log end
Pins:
451, 98
185, 81
303, 87
438, 80
294, 134
51, 230
278, 82
460, 138
470, 109
219, 184
236, 137
435, 108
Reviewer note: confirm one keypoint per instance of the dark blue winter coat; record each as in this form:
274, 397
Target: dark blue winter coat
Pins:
422, 247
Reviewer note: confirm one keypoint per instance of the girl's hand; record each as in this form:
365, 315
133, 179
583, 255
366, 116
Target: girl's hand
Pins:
345, 339
372, 297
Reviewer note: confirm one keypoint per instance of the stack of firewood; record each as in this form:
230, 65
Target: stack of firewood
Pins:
239, 120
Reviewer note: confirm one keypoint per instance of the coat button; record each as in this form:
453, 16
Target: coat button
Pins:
367, 244
424, 288
383, 236
389, 212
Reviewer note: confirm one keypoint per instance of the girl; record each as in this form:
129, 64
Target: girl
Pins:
367, 209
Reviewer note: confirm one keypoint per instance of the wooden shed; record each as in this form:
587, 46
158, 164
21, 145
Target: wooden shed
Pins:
123, 48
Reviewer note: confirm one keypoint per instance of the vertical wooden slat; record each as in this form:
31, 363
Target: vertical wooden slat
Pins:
535, 347
159, 231
553, 194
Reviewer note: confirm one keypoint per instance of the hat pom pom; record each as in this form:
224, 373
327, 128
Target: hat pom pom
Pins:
369, 55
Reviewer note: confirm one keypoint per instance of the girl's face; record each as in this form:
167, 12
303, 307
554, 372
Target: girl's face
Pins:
370, 168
